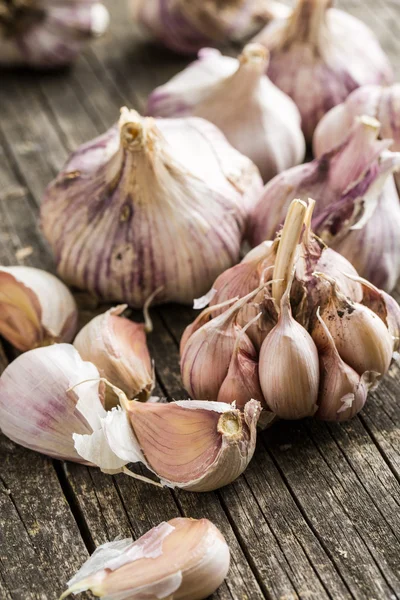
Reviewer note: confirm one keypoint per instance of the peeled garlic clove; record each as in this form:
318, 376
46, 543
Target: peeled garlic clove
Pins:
188, 26
288, 367
255, 116
38, 408
361, 338
319, 55
183, 558
48, 33
342, 392
36, 309
119, 350
152, 228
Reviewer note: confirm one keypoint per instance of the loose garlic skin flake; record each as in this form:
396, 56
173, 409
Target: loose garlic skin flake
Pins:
138, 209
183, 559
36, 308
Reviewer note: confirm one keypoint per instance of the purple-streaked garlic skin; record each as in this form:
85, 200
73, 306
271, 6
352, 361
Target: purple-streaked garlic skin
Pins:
256, 116
186, 27
125, 218
53, 34
319, 55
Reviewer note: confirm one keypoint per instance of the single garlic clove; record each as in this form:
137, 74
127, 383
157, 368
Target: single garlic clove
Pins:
288, 367
36, 309
337, 267
49, 34
319, 55
119, 350
150, 229
361, 338
183, 558
342, 392
38, 407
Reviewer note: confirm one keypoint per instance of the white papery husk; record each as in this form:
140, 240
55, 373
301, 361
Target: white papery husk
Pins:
38, 407
255, 116
182, 558
118, 348
157, 435
36, 308
56, 36
147, 205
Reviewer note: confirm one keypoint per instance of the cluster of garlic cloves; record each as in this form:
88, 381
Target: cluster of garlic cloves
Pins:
136, 210
36, 309
324, 335
256, 115
185, 27
183, 558
48, 33
357, 209
319, 55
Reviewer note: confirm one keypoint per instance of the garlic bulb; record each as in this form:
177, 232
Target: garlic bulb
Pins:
319, 55
118, 348
36, 309
183, 558
197, 446
38, 408
186, 26
357, 208
136, 209
236, 96
48, 33
324, 335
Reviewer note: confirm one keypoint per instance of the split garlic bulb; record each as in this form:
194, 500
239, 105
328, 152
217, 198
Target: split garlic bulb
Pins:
319, 55
183, 558
48, 33
118, 348
186, 26
36, 308
357, 209
255, 116
324, 336
150, 204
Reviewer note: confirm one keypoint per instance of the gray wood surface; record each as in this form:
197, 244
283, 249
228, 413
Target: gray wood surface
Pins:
317, 513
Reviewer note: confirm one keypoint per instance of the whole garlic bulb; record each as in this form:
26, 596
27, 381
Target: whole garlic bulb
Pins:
184, 558
357, 209
150, 204
36, 308
255, 116
48, 33
188, 25
325, 335
319, 55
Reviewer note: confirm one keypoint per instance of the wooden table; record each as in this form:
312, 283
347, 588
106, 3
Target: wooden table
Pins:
317, 513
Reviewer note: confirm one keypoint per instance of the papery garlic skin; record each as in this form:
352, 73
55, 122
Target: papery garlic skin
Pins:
185, 27
36, 308
319, 55
118, 348
49, 33
161, 437
183, 558
38, 408
249, 110
169, 217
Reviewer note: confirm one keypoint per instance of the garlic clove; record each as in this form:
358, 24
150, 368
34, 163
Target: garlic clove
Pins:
36, 309
361, 338
342, 392
319, 55
150, 229
119, 350
288, 366
183, 558
38, 407
337, 267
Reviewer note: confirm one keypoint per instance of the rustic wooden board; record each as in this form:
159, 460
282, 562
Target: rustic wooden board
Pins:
317, 513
